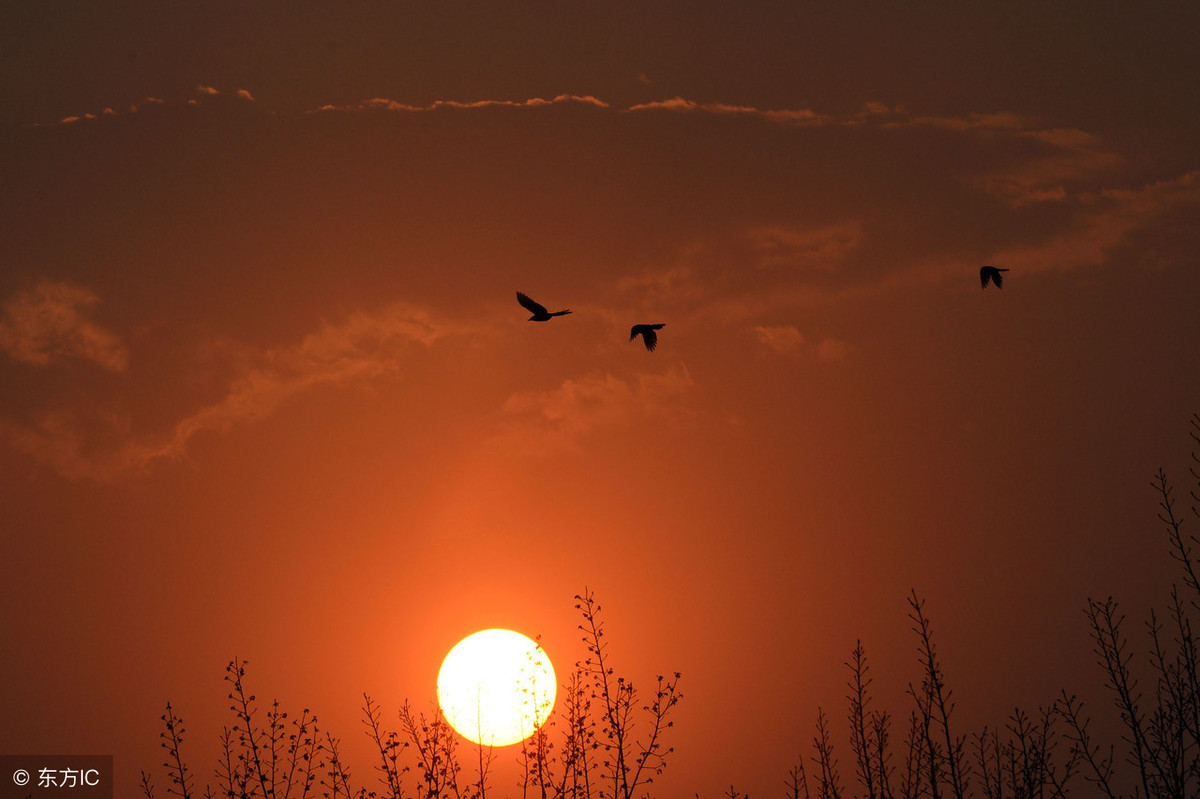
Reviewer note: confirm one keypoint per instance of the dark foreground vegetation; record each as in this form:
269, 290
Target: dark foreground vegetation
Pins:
590, 750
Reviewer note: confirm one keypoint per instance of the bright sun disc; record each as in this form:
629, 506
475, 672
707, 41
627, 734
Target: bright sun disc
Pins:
496, 687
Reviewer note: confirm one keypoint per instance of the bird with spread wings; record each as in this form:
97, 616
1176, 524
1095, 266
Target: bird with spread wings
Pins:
540, 314
648, 334
992, 273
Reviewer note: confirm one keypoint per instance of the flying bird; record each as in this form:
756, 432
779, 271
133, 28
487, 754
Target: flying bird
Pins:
647, 333
540, 314
992, 273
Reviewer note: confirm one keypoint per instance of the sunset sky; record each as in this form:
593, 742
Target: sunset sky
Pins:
266, 391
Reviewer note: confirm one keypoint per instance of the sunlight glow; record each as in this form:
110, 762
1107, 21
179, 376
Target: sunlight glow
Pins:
496, 687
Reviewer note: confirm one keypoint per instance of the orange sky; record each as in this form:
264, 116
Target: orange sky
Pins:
265, 390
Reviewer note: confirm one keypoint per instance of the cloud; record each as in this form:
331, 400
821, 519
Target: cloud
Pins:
360, 348
109, 111
787, 340
554, 421
1041, 163
822, 249
1052, 158
658, 281
795, 116
873, 108
1107, 219
68, 444
730, 277
832, 349
1069, 156
364, 346
1012, 158
1064, 153
780, 338
47, 324
384, 104
996, 122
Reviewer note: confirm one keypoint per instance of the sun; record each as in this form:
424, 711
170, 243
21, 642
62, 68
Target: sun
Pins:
496, 687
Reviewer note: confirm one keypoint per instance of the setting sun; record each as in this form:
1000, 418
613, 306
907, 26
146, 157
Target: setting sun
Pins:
496, 687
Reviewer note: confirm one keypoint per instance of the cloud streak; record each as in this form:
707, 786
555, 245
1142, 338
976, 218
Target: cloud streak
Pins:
1108, 218
48, 324
1064, 154
361, 348
202, 91
822, 249
384, 104
540, 423
788, 340
789, 116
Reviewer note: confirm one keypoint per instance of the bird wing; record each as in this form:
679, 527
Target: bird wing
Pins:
529, 304
984, 275
647, 333
998, 278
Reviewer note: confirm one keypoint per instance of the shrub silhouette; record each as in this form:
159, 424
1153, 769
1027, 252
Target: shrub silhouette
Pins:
1038, 754
268, 755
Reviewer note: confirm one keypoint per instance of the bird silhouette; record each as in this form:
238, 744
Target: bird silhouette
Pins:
647, 333
540, 314
991, 273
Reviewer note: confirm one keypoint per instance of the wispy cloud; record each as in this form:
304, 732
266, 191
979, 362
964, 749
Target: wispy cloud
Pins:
384, 104
78, 446
792, 116
1068, 156
360, 348
1066, 153
554, 421
363, 346
1013, 158
780, 338
659, 282
109, 111
821, 249
1107, 219
788, 340
833, 349
67, 120
995, 122
1062, 155
48, 323
730, 277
